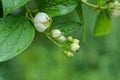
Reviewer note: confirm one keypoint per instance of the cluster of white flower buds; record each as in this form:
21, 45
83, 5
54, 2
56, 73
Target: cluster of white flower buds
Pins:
115, 8
57, 34
74, 47
41, 21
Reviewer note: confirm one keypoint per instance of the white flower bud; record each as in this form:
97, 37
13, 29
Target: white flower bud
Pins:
75, 47
76, 41
68, 53
41, 21
115, 12
115, 8
62, 38
56, 33
40, 27
41, 17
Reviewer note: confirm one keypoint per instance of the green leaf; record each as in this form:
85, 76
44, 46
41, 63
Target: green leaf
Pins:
103, 24
11, 5
68, 27
57, 7
101, 2
16, 34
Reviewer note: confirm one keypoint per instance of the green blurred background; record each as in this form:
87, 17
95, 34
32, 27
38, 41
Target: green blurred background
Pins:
98, 58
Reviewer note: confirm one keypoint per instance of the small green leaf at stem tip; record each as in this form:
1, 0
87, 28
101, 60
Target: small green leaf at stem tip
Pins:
11, 5
103, 24
16, 34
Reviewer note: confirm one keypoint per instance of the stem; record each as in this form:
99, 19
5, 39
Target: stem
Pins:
80, 15
27, 16
35, 11
53, 40
94, 6
28, 13
51, 21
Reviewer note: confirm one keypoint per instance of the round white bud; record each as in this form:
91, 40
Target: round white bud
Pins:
62, 38
56, 33
41, 17
115, 12
41, 21
76, 41
75, 47
115, 8
40, 27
